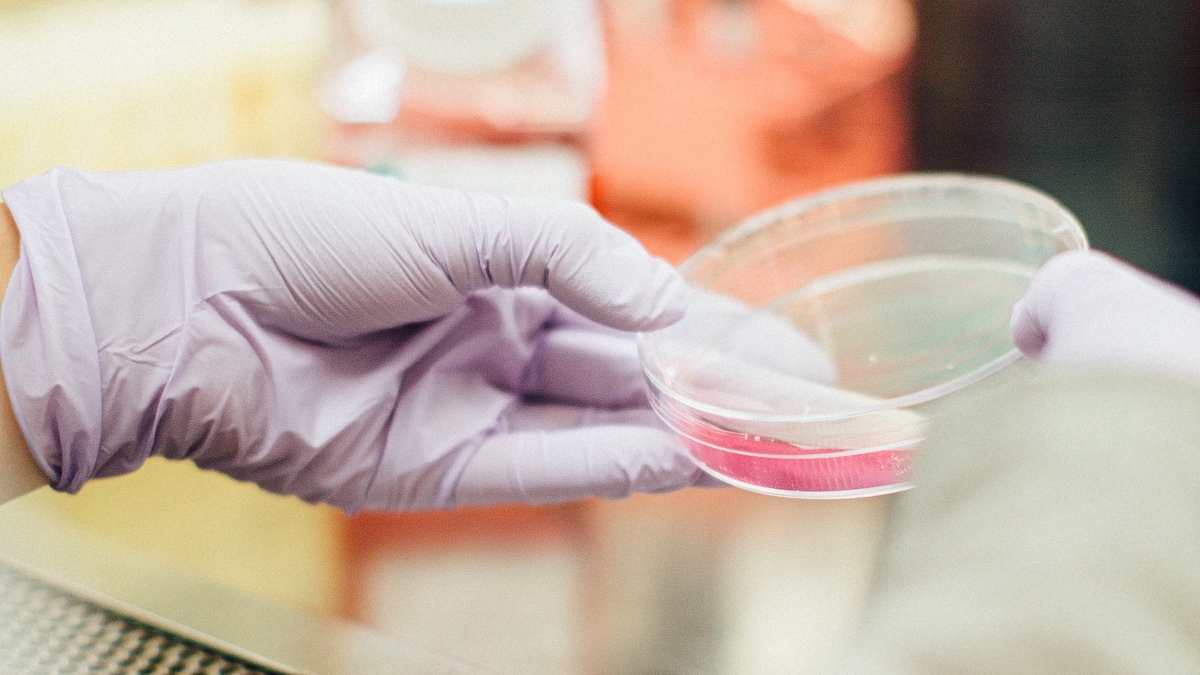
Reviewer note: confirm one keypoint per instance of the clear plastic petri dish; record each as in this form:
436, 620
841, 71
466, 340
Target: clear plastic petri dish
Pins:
819, 331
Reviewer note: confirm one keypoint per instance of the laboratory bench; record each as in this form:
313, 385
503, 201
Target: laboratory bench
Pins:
70, 602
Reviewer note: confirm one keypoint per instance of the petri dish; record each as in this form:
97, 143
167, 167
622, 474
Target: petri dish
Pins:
820, 331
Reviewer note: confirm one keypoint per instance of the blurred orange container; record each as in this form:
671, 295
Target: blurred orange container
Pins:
715, 109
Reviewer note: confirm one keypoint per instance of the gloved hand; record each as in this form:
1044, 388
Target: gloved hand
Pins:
1085, 308
339, 336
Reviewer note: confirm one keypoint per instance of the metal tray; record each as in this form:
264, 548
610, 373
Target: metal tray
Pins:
52, 627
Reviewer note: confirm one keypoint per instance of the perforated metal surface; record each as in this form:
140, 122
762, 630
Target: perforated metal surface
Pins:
45, 630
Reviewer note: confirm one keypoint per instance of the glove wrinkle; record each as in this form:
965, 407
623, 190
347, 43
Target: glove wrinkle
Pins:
49, 341
532, 375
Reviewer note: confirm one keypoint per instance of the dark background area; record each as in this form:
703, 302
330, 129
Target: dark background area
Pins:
1092, 101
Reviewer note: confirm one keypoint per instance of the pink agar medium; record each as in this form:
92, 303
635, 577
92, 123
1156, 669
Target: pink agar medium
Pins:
777, 465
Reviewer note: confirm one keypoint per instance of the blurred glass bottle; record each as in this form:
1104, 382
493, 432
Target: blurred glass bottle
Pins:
716, 109
483, 94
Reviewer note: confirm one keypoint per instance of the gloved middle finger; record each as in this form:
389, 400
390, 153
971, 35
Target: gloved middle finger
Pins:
558, 416
586, 367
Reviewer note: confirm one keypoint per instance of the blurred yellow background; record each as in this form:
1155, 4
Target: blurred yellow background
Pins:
122, 84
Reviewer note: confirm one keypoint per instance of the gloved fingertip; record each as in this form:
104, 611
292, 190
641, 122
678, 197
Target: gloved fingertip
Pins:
1027, 333
672, 298
1017, 313
597, 269
625, 288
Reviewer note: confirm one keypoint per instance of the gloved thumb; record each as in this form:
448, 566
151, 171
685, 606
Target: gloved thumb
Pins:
1085, 308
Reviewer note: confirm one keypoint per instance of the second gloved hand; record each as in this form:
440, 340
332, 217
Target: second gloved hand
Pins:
1088, 309
343, 337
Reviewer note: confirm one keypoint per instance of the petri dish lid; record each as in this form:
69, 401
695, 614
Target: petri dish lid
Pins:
875, 296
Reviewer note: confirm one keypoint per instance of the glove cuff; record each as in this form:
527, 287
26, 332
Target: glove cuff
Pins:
47, 341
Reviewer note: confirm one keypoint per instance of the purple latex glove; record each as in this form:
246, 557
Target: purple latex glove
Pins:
339, 336
1085, 308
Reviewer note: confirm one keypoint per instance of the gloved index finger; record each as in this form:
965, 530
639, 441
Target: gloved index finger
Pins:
566, 247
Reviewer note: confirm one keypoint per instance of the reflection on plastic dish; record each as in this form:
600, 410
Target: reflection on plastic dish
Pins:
776, 467
820, 331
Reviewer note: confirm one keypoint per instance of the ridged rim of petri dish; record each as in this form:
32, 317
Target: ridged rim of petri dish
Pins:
865, 188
